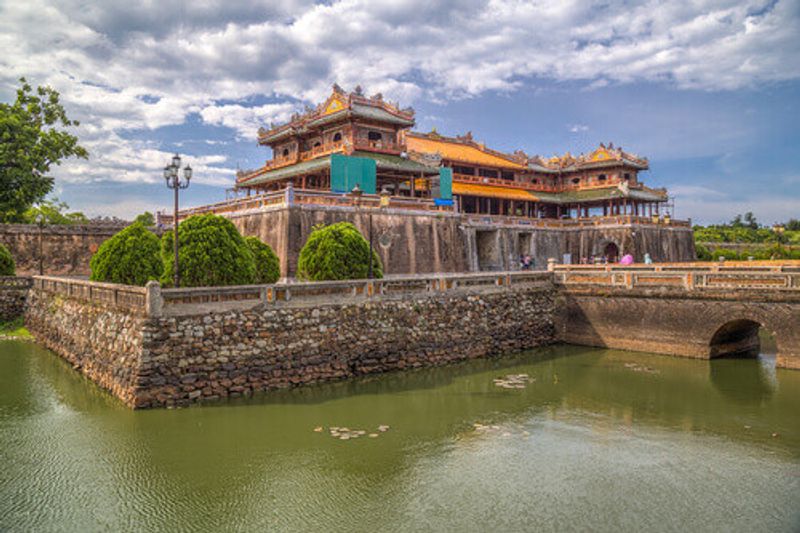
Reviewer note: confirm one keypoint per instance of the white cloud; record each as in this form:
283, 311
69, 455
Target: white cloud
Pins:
124, 66
578, 128
247, 120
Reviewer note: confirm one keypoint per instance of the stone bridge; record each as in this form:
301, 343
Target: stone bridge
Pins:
691, 310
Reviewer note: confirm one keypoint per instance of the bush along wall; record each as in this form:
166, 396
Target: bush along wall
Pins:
212, 253
7, 267
268, 266
130, 257
337, 252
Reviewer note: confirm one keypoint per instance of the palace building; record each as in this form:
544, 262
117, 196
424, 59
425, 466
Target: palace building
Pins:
432, 203
353, 140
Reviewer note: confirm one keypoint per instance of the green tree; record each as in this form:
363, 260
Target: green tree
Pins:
792, 225
337, 251
53, 212
130, 257
212, 253
7, 266
30, 143
146, 219
268, 266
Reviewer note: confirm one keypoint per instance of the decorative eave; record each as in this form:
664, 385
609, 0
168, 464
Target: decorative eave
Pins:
339, 106
513, 162
603, 157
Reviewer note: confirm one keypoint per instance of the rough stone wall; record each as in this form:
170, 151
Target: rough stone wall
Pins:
206, 357
66, 249
12, 300
177, 360
103, 343
674, 322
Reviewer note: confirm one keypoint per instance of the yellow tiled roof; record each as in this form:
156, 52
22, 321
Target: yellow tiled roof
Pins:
492, 191
456, 151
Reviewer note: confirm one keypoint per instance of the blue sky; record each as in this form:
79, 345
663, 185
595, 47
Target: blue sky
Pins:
708, 91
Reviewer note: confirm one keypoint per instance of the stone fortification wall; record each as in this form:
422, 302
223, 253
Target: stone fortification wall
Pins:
194, 345
420, 242
65, 250
13, 293
96, 327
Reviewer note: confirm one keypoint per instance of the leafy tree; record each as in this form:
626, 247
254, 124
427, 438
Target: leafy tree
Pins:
146, 219
53, 212
268, 266
212, 252
130, 257
7, 266
30, 143
792, 225
337, 251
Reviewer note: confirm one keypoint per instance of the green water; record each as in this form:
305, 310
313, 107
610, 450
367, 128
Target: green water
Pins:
602, 440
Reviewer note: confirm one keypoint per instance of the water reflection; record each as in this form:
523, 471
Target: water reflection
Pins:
745, 381
591, 426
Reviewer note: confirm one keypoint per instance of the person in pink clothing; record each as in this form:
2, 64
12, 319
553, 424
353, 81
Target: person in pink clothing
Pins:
627, 259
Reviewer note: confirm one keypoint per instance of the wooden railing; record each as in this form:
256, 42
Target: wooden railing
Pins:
691, 276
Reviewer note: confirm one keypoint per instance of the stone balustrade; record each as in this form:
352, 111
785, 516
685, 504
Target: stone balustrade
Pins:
691, 276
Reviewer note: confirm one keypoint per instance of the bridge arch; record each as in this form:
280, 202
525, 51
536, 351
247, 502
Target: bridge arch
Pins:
736, 333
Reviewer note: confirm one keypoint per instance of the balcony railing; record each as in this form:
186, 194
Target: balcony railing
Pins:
576, 222
287, 197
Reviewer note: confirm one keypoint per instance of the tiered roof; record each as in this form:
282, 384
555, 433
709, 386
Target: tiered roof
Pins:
603, 156
461, 148
340, 105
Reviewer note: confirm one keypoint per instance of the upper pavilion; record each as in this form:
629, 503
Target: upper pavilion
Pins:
353, 141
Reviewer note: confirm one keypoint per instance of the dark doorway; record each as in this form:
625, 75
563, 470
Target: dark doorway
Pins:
611, 252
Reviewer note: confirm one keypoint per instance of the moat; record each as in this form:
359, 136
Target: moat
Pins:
596, 439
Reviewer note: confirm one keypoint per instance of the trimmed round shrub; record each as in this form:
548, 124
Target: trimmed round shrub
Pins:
130, 257
268, 266
7, 266
337, 251
211, 253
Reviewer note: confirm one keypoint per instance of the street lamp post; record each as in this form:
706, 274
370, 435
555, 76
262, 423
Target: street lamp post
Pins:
174, 182
40, 222
384, 202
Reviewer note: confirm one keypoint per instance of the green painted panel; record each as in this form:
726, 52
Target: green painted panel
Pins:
347, 172
446, 183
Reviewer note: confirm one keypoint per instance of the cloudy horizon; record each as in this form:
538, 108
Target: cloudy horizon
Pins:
709, 92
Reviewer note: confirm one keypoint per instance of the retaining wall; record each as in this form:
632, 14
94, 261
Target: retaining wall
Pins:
153, 348
13, 293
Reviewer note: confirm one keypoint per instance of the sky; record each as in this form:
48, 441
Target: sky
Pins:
707, 90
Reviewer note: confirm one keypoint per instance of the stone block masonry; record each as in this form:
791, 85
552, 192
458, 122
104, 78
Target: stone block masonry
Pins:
154, 348
13, 293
